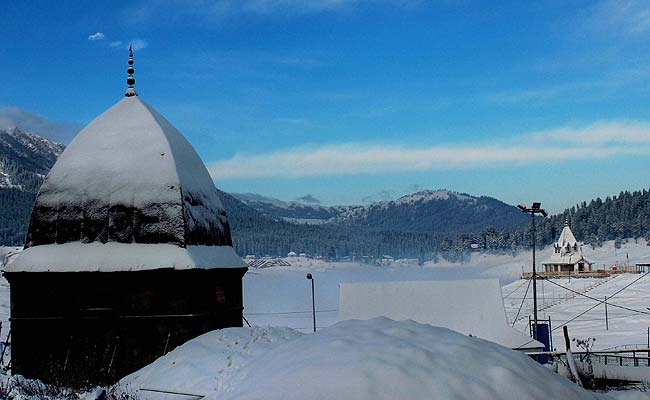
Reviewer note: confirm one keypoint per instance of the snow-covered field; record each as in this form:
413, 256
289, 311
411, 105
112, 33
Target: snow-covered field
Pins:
281, 297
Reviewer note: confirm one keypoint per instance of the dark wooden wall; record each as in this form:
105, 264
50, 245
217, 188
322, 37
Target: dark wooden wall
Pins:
89, 328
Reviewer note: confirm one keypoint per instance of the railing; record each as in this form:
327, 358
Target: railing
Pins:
630, 347
623, 361
623, 358
600, 273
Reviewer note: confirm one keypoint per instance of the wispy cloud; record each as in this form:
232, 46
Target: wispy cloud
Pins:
629, 17
600, 140
137, 43
219, 10
551, 92
96, 36
600, 133
12, 117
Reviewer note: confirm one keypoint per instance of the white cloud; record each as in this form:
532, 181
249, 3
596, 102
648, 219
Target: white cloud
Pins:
595, 141
96, 36
292, 6
600, 133
138, 44
621, 16
12, 117
211, 11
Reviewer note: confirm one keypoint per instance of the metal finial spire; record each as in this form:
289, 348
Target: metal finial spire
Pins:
130, 91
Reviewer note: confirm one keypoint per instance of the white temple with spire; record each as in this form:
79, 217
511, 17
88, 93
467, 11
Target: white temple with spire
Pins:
567, 254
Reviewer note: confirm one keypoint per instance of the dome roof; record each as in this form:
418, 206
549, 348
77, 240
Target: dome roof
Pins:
130, 178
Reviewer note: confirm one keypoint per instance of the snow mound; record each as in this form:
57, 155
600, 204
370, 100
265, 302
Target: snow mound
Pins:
374, 359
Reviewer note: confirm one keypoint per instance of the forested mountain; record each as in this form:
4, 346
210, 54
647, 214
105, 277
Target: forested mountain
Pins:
429, 211
435, 211
624, 216
255, 233
424, 225
25, 159
292, 211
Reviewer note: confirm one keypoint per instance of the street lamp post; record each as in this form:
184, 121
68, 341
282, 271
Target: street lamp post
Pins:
313, 303
534, 209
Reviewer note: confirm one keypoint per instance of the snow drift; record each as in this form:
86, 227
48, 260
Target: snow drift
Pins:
374, 359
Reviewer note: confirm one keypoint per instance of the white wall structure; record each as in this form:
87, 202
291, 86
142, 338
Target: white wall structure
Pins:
471, 307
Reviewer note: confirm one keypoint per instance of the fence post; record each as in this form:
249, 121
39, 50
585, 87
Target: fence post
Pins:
649, 346
550, 333
569, 356
606, 318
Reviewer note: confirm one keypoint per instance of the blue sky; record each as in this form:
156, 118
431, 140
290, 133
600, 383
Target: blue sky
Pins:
355, 101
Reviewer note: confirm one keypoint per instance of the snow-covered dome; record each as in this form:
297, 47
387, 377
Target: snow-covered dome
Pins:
129, 179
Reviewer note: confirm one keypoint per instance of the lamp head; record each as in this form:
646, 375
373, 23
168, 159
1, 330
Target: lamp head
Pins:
309, 276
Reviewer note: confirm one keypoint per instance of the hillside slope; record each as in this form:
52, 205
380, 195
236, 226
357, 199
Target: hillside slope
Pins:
25, 159
437, 211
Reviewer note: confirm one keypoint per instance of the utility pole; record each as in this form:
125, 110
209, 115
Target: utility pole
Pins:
534, 209
313, 302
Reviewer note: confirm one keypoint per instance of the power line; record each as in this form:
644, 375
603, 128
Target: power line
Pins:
514, 290
591, 308
598, 300
514, 321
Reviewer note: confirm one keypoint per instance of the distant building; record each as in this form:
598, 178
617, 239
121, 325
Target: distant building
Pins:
128, 253
567, 255
268, 262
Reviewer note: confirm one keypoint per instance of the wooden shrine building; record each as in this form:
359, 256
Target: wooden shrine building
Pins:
567, 257
128, 253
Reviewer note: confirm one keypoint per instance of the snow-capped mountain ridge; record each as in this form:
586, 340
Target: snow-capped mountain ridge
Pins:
292, 211
438, 211
430, 211
429, 195
25, 159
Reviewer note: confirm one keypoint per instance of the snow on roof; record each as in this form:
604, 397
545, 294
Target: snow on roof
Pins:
111, 257
568, 258
566, 237
130, 158
379, 359
129, 177
468, 306
567, 255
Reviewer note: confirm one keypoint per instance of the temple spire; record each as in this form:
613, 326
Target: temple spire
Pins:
130, 91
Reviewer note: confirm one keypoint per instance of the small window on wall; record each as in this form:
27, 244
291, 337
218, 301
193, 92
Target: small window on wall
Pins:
220, 296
